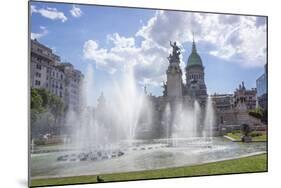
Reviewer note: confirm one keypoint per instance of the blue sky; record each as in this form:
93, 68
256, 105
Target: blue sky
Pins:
233, 48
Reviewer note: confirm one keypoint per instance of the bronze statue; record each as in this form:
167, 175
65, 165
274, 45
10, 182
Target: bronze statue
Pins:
170, 57
176, 52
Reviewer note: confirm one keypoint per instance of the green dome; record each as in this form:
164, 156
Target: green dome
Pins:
194, 58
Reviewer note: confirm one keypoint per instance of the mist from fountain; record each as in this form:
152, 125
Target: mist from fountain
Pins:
86, 134
166, 121
186, 120
209, 121
197, 118
125, 111
126, 105
190, 124
115, 121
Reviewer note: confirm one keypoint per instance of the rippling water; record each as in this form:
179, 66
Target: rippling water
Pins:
144, 155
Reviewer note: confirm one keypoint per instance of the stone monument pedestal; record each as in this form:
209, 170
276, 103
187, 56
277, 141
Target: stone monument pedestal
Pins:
246, 139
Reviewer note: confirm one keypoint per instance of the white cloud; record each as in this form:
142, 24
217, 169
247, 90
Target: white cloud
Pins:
50, 13
121, 42
76, 11
104, 59
237, 39
33, 9
148, 61
43, 32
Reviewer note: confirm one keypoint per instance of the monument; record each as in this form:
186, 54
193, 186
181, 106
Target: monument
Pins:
174, 73
183, 106
195, 86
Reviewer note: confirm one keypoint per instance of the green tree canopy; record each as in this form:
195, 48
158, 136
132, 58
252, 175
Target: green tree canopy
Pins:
43, 101
257, 113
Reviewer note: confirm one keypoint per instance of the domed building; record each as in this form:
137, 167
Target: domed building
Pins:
195, 76
186, 110
170, 116
195, 87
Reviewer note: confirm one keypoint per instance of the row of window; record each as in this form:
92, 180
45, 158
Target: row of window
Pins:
37, 83
56, 83
43, 51
38, 66
56, 92
47, 78
54, 74
56, 86
37, 74
57, 75
195, 76
41, 60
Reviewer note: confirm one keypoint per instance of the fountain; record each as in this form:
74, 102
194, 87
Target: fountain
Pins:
108, 130
209, 121
105, 131
126, 104
128, 130
105, 139
166, 122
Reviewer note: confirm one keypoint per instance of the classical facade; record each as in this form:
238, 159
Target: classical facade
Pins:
230, 109
43, 69
73, 84
223, 102
247, 96
61, 79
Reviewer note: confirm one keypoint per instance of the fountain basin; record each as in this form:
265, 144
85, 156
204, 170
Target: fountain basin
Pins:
156, 155
90, 156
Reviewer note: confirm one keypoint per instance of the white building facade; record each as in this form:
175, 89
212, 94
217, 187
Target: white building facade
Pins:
60, 79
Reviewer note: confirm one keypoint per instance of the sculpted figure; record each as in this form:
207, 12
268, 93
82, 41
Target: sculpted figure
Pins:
176, 50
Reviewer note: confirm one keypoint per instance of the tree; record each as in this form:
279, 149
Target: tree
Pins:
36, 105
43, 101
265, 116
56, 107
257, 113
46, 96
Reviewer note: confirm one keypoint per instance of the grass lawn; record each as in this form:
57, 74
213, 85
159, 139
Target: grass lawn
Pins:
257, 163
260, 138
237, 136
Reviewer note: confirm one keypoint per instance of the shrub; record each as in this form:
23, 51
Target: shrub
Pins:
235, 131
257, 113
255, 134
39, 142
